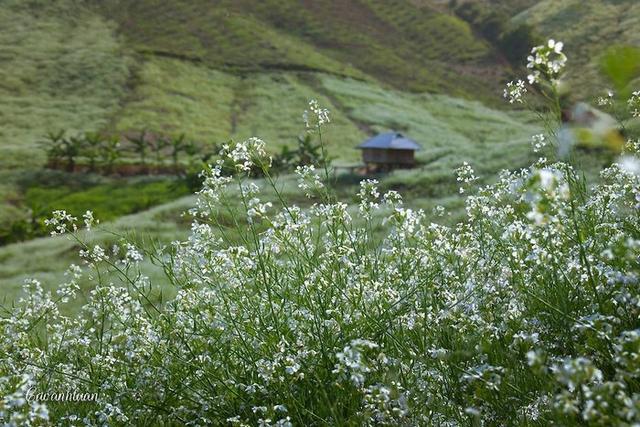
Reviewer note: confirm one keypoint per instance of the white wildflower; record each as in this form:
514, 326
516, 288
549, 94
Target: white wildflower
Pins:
352, 360
247, 154
605, 101
368, 196
465, 175
392, 198
546, 60
320, 115
308, 180
515, 91
89, 220
61, 222
634, 104
98, 254
538, 142
256, 209
132, 254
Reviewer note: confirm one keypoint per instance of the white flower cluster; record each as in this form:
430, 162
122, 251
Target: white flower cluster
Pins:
546, 60
533, 298
61, 222
466, 176
15, 407
634, 104
352, 361
605, 101
369, 196
515, 91
213, 188
538, 142
308, 180
89, 220
547, 188
132, 255
316, 116
247, 154
257, 209
527, 312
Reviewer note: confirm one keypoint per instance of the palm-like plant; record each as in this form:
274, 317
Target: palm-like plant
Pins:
140, 146
158, 146
69, 150
91, 148
284, 160
52, 143
309, 153
110, 152
178, 144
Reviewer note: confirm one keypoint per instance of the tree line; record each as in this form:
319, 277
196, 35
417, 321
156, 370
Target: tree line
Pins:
155, 153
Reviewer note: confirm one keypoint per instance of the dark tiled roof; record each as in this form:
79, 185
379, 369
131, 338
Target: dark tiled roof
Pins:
390, 140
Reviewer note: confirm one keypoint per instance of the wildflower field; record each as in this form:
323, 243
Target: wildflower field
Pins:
317, 308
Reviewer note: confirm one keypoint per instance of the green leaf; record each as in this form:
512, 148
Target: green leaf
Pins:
621, 64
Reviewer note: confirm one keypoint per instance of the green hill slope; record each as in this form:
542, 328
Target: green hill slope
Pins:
234, 69
397, 42
62, 67
213, 70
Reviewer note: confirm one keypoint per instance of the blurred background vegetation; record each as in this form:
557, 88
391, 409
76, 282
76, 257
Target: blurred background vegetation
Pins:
200, 73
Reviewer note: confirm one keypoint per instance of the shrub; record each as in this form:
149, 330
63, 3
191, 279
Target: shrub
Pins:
140, 145
52, 143
514, 42
90, 145
159, 145
110, 153
59, 147
178, 144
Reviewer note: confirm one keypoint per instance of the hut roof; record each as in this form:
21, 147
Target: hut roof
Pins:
390, 140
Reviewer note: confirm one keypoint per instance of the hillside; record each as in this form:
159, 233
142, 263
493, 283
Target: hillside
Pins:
99, 75
406, 44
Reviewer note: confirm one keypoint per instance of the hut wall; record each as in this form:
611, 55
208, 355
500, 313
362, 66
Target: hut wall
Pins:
382, 156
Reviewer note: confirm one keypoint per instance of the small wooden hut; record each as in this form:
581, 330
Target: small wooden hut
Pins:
389, 150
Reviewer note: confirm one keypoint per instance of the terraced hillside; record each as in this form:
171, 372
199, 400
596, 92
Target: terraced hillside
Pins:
407, 44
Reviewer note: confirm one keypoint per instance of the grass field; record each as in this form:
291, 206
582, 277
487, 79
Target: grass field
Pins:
214, 106
63, 68
82, 68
